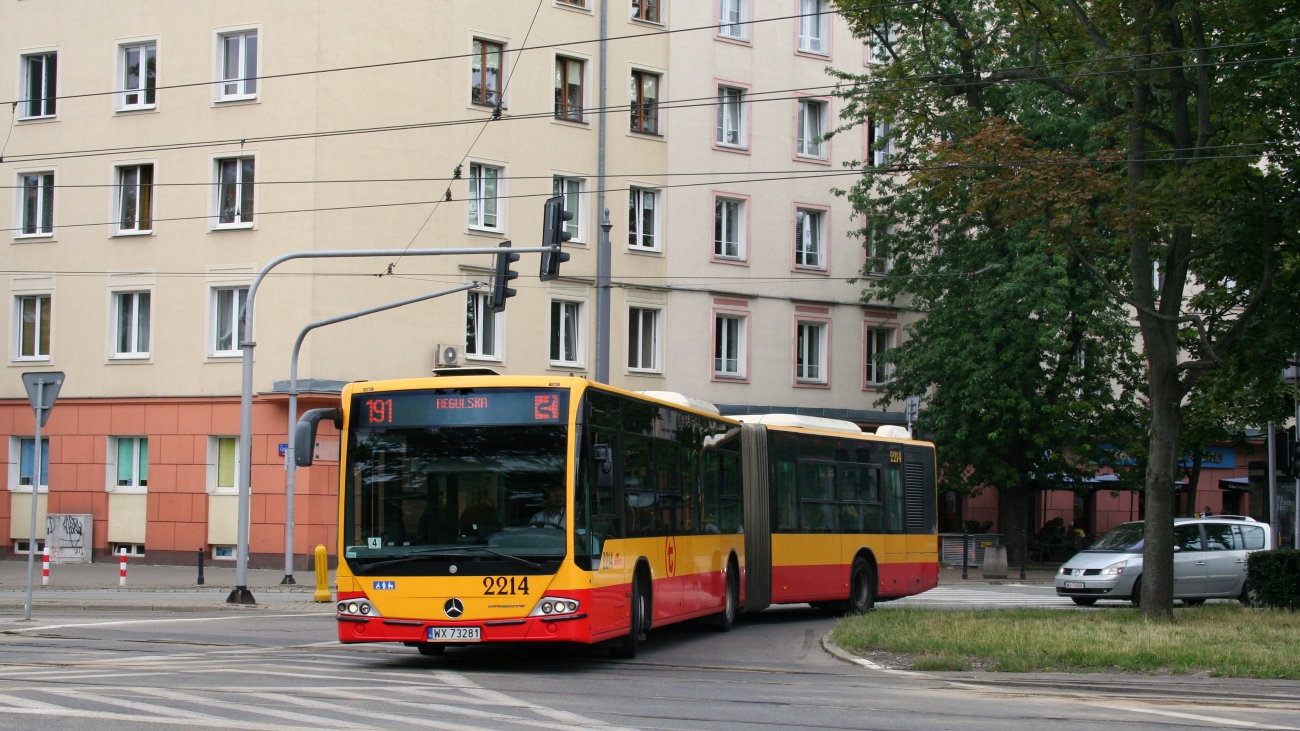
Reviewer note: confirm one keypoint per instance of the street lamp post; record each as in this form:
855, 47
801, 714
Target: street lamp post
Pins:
240, 594
291, 466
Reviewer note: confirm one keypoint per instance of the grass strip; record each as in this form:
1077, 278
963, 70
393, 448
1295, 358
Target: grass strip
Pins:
1224, 639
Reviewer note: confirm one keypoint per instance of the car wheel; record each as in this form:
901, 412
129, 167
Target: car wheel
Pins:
1136, 595
431, 649
1084, 601
1249, 597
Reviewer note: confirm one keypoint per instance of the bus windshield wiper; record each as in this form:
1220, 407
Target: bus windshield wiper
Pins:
417, 555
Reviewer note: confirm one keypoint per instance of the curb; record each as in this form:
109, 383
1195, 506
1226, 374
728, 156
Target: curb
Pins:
839, 653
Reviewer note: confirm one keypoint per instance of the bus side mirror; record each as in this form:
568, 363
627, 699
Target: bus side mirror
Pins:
604, 466
304, 434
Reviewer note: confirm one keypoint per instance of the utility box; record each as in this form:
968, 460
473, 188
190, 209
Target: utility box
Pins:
70, 537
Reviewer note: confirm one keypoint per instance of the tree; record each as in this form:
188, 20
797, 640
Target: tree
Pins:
1149, 140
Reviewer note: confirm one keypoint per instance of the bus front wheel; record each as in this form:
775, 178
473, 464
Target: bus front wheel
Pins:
723, 621
626, 647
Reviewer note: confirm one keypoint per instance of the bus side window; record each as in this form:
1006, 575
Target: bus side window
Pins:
668, 511
638, 488
893, 489
709, 519
787, 506
730, 505
690, 488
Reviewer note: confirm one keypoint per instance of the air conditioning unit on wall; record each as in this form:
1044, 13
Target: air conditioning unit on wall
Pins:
449, 356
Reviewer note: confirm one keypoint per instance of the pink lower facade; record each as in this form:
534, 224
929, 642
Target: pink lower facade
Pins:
188, 503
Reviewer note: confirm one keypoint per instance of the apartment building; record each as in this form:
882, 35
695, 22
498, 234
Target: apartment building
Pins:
160, 154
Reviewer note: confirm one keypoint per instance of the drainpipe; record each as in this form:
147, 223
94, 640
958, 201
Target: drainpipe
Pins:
602, 242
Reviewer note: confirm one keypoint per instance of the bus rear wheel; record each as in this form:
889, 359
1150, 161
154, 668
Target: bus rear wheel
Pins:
723, 621
625, 648
862, 587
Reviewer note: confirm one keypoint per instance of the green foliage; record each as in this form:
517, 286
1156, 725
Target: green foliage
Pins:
1275, 577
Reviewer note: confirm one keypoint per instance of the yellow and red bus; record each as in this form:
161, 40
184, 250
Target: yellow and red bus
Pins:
487, 508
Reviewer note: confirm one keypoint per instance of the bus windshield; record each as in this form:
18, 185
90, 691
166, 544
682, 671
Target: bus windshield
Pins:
455, 492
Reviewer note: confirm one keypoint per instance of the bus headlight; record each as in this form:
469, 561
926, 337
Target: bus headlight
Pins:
550, 606
358, 608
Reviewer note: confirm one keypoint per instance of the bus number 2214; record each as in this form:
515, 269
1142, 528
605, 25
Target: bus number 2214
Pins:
503, 585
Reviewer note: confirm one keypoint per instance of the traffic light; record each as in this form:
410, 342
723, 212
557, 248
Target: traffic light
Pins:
501, 276
553, 234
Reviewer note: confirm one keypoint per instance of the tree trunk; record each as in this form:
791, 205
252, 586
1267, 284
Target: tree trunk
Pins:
1014, 509
1162, 469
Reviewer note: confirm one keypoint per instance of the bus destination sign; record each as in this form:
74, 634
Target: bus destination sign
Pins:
460, 407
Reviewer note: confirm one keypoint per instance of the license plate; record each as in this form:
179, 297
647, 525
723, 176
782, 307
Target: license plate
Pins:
1074, 585
455, 634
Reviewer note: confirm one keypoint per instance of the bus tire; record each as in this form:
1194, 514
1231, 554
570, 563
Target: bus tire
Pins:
625, 647
430, 649
862, 587
723, 621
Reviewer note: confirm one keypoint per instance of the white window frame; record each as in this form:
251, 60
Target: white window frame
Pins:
240, 214
877, 54
733, 20
636, 318
477, 182
809, 142
16, 462
133, 550
886, 263
148, 50
46, 201
245, 83
636, 198
804, 366
814, 27
721, 204
223, 553
140, 193
722, 327
478, 307
877, 373
44, 311
114, 444
214, 466
810, 223
237, 327
880, 152
573, 190
133, 324
48, 102
559, 337
732, 113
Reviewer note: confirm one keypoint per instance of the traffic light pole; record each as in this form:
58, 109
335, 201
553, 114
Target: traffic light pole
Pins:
603, 252
290, 480
39, 475
241, 594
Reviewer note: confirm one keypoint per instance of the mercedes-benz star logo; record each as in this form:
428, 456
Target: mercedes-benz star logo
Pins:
453, 608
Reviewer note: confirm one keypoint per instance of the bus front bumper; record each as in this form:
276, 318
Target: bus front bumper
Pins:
562, 628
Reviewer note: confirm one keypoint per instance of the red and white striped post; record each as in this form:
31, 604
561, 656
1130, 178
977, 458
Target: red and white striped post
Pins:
121, 569
45, 565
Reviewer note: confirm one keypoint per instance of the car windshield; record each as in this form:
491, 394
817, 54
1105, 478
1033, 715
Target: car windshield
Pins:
447, 491
1126, 538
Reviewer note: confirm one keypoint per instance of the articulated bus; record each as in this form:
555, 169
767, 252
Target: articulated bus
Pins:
487, 508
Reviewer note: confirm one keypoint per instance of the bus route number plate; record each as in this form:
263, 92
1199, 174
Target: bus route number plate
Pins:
455, 634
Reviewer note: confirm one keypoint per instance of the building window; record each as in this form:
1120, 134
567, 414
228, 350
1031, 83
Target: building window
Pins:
566, 333
235, 191
34, 327
810, 349
27, 458
571, 190
642, 233
139, 75
642, 339
228, 320
812, 126
485, 73
733, 19
728, 219
482, 327
647, 10
238, 66
879, 262
135, 199
731, 117
40, 90
810, 238
226, 453
484, 196
814, 27
878, 51
38, 203
568, 88
130, 549
574, 3
132, 462
133, 319
880, 143
729, 345
879, 341
645, 102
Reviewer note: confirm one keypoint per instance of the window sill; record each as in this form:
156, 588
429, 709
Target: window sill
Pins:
20, 361
578, 124
129, 357
730, 261
584, 9
123, 490
136, 110
657, 136
484, 359
230, 491
822, 55
730, 377
733, 39
232, 227
565, 367
644, 373
813, 159
641, 251
738, 149
798, 269
225, 357
236, 99
27, 489
34, 237
799, 383
38, 120
480, 231
130, 234
651, 23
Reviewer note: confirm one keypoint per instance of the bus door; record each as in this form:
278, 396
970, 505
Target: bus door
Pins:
610, 576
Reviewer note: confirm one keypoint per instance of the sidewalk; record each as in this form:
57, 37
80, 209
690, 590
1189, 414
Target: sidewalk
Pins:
153, 588
1035, 576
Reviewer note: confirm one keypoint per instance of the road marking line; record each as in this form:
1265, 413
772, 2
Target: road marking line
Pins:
157, 621
36, 708
1196, 717
471, 713
412, 720
246, 708
132, 705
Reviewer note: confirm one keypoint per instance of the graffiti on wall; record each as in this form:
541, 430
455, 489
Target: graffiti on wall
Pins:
69, 537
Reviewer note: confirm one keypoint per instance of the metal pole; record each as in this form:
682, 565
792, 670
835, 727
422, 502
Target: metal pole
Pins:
603, 253
36, 495
240, 594
292, 466
1272, 482
200, 552
965, 555
1024, 553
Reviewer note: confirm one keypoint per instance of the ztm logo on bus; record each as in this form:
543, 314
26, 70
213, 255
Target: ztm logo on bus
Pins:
546, 407
670, 555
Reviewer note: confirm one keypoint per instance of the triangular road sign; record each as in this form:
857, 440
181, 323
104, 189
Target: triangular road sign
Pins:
53, 381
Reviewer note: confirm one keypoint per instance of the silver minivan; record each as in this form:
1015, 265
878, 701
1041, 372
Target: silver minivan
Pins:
1209, 561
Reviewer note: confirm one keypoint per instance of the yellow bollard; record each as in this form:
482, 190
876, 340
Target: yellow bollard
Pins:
322, 576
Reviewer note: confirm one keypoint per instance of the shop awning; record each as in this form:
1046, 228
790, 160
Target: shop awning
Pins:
1235, 484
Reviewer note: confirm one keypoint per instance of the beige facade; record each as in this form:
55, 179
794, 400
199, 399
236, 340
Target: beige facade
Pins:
265, 97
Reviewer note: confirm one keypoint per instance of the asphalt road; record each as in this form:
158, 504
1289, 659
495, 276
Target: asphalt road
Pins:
282, 671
